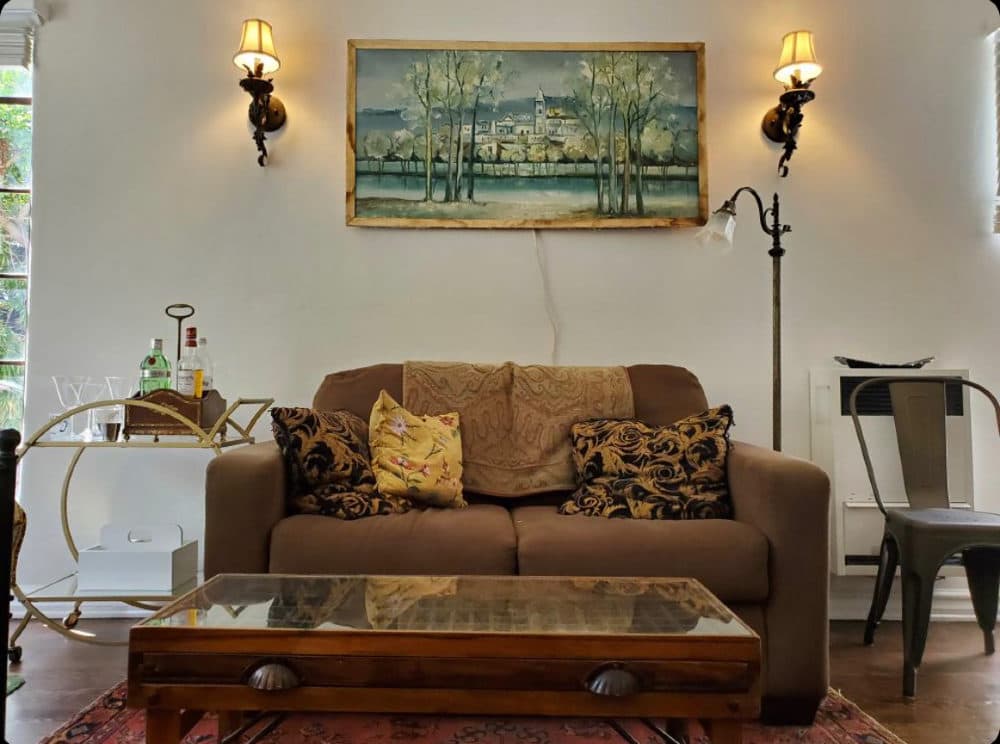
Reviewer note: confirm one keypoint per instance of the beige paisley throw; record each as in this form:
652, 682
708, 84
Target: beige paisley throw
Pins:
516, 419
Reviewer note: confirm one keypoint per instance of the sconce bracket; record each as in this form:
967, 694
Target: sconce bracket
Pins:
777, 122
266, 112
781, 124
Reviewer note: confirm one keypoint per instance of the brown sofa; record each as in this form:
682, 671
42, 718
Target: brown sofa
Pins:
769, 563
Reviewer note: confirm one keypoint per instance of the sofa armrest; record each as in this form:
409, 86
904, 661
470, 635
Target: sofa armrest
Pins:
244, 499
788, 499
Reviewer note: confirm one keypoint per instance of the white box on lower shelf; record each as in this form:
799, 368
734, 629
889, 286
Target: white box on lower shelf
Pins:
131, 559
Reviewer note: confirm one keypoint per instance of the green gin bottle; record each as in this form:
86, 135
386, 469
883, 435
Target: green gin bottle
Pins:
154, 372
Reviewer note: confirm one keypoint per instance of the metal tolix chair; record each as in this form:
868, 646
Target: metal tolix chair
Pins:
920, 539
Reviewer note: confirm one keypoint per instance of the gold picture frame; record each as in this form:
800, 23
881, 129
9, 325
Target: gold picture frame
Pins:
500, 160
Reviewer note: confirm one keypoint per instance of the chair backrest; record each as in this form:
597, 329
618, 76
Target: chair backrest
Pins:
919, 410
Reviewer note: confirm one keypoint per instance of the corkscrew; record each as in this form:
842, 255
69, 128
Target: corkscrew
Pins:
179, 311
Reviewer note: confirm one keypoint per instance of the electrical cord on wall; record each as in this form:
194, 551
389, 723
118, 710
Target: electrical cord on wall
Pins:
550, 307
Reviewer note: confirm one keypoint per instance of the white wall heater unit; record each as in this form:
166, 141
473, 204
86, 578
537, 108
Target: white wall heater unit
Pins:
856, 522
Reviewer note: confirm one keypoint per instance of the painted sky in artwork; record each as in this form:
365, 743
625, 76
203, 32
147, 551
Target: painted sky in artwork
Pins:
380, 71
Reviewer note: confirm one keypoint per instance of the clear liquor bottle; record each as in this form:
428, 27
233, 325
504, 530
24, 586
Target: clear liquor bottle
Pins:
190, 371
208, 375
154, 371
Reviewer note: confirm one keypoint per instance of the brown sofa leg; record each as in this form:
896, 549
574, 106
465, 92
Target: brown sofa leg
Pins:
789, 711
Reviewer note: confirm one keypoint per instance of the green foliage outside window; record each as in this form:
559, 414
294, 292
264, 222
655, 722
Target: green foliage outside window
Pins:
15, 241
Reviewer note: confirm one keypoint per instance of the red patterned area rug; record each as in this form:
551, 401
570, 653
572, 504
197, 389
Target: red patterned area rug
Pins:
108, 721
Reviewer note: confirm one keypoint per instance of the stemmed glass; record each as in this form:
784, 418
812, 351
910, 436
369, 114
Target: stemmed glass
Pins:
68, 388
91, 391
109, 419
77, 390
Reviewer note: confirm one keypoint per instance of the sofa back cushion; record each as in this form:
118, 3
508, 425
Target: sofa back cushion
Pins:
662, 393
356, 390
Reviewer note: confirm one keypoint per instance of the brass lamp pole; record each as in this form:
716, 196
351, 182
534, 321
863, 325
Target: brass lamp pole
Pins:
721, 226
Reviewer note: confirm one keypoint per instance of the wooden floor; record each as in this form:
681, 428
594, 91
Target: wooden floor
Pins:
958, 687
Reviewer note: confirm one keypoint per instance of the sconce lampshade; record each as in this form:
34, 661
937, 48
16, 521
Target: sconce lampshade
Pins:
720, 228
257, 45
798, 59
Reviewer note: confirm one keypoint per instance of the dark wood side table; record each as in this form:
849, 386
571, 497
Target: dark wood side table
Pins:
9, 440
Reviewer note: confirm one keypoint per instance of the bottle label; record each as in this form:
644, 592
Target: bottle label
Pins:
159, 374
189, 382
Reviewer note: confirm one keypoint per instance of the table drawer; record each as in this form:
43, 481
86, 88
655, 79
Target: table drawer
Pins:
443, 673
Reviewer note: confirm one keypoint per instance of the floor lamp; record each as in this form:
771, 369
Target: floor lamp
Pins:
720, 228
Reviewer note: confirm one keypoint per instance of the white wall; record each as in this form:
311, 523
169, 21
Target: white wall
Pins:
147, 192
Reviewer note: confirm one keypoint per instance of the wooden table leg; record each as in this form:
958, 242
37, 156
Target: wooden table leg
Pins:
678, 729
163, 726
724, 731
230, 721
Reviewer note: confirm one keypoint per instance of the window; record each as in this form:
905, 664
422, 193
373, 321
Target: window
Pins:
15, 238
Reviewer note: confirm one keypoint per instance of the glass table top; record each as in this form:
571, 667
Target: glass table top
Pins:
449, 604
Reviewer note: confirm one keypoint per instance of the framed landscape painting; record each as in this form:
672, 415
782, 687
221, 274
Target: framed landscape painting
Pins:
526, 135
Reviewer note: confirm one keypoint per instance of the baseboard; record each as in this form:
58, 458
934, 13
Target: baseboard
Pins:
851, 598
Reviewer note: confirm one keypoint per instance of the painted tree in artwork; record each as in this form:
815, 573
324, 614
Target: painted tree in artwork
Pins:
686, 148
644, 85
419, 94
591, 104
651, 81
658, 146
403, 143
489, 77
611, 74
616, 96
376, 146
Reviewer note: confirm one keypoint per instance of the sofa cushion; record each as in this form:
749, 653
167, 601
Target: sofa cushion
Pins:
728, 557
327, 462
416, 457
355, 390
476, 540
627, 469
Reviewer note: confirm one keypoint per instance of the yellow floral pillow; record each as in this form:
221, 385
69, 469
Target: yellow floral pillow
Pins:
419, 457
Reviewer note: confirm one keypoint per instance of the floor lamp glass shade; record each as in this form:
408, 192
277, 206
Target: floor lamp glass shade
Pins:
798, 59
257, 46
719, 229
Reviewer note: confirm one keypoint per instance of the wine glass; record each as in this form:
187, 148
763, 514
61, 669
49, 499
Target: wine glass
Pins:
92, 390
68, 388
109, 419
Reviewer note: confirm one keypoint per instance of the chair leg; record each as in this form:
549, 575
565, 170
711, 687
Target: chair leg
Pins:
918, 589
982, 569
887, 562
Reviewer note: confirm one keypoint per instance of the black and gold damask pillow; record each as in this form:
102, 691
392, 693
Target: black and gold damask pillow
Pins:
629, 470
328, 464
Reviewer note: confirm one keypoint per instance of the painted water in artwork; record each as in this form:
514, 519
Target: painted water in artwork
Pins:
525, 137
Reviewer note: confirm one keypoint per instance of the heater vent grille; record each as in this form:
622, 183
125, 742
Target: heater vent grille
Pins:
874, 400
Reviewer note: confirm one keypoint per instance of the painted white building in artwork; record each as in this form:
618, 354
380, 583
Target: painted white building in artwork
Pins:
545, 126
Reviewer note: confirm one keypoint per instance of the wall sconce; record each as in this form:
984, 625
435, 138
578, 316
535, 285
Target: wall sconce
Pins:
258, 58
796, 70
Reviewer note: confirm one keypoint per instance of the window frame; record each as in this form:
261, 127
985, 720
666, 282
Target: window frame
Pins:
20, 276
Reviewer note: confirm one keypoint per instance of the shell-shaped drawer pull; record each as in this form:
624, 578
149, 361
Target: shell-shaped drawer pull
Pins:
613, 680
273, 676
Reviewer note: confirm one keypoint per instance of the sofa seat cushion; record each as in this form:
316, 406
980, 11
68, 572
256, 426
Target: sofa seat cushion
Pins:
476, 540
728, 557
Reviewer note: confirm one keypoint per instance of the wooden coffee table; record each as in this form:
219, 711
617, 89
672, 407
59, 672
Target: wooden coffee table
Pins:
491, 645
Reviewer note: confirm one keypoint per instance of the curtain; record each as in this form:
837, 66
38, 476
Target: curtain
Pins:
18, 22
